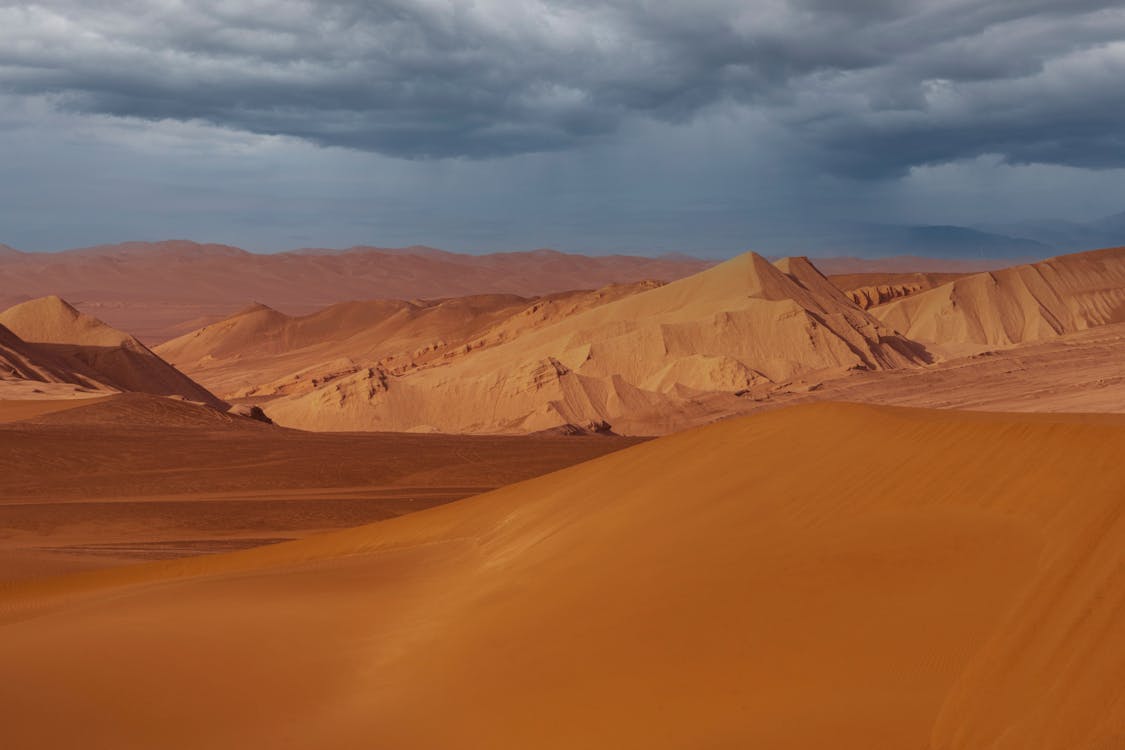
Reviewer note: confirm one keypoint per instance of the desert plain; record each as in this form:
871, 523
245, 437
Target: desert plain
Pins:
550, 501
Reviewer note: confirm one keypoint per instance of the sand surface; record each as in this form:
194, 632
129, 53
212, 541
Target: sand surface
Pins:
872, 289
649, 359
641, 359
1078, 372
743, 326
830, 575
260, 353
59, 344
1016, 305
128, 478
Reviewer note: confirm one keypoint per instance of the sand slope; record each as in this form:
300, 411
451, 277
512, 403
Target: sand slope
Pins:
90, 348
824, 576
20, 361
1016, 305
261, 352
129, 477
644, 363
872, 289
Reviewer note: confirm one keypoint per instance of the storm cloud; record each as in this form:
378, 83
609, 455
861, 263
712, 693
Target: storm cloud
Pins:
867, 89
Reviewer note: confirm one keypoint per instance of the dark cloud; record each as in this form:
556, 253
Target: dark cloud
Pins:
871, 87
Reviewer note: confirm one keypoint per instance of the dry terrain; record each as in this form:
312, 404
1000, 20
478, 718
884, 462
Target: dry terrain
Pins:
838, 576
1080, 372
127, 478
849, 536
47, 342
159, 290
649, 359
1017, 305
642, 358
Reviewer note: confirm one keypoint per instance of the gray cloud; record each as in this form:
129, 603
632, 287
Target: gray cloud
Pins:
870, 88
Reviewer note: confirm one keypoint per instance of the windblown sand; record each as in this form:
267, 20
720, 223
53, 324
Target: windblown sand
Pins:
129, 478
823, 576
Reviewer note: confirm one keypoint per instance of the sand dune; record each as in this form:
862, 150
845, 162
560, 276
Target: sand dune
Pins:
648, 362
1077, 373
868, 290
824, 576
158, 291
134, 477
23, 364
1016, 305
645, 363
261, 352
96, 354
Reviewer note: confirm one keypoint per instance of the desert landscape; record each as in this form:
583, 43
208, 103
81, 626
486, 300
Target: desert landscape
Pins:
553, 375
662, 513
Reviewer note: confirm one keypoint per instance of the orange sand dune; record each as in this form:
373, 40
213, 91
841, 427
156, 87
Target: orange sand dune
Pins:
124, 478
262, 352
27, 370
1076, 372
18, 410
1016, 305
870, 289
823, 576
94, 354
640, 363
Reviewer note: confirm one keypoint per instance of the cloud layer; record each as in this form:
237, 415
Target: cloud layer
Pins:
868, 88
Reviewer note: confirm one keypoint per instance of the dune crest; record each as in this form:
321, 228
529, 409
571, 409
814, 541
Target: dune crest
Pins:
19, 361
260, 352
643, 363
869, 290
1016, 305
96, 353
949, 581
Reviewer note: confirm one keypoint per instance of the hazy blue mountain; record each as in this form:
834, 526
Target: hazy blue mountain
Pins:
1068, 236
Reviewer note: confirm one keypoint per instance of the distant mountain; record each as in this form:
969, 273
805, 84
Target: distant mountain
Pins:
939, 241
1068, 236
1114, 224
936, 242
160, 290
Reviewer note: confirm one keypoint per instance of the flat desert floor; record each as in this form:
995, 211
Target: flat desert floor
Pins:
823, 576
103, 482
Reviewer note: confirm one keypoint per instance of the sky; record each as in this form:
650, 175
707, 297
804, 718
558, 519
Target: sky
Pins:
643, 126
